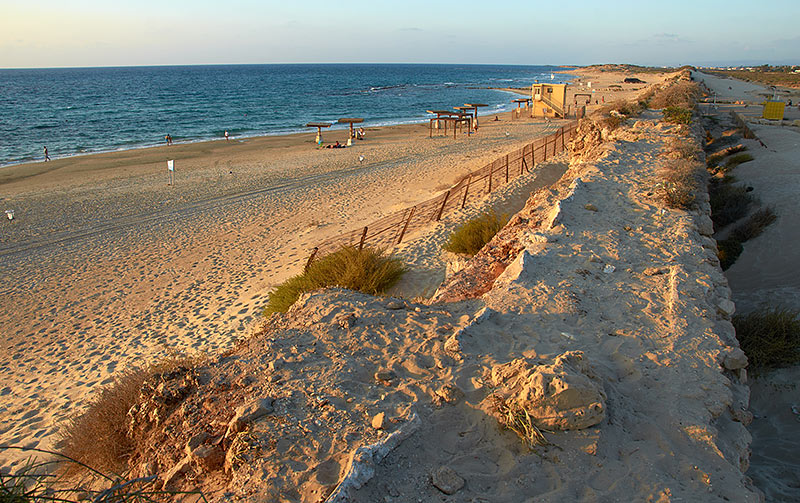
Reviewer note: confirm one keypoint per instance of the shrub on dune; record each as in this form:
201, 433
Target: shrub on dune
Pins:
769, 337
367, 270
470, 237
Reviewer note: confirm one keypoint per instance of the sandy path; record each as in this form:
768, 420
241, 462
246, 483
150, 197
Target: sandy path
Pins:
109, 268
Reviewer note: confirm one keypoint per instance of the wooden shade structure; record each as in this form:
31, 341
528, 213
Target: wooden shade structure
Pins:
319, 126
519, 102
351, 121
474, 108
445, 116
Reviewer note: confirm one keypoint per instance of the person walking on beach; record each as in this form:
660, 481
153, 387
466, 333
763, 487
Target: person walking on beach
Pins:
168, 139
46, 156
226, 135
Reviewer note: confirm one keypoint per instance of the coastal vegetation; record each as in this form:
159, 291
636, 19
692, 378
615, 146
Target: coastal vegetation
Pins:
764, 74
770, 337
367, 270
471, 236
99, 436
677, 115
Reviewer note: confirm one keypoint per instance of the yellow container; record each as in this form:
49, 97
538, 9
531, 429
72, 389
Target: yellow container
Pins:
773, 110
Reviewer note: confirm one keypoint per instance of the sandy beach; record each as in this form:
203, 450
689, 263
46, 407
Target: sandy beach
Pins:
105, 267
109, 268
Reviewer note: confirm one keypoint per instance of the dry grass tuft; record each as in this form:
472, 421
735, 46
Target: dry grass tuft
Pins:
99, 436
681, 93
470, 237
736, 160
520, 422
679, 183
728, 250
368, 271
754, 225
770, 337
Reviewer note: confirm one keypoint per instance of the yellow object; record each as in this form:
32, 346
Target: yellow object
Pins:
549, 100
773, 110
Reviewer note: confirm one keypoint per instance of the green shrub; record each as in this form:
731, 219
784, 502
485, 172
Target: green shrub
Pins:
470, 237
728, 250
678, 115
679, 183
754, 225
736, 160
769, 337
728, 203
714, 159
368, 271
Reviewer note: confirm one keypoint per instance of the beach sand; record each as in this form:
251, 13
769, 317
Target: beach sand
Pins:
105, 267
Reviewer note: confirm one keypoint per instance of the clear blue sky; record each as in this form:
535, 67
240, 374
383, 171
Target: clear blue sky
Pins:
58, 33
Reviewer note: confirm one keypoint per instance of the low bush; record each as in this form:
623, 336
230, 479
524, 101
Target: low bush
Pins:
754, 225
769, 337
368, 271
728, 250
470, 237
680, 181
681, 93
736, 160
98, 437
714, 159
729, 203
677, 115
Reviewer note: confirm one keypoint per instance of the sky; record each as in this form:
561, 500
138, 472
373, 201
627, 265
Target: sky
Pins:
80, 33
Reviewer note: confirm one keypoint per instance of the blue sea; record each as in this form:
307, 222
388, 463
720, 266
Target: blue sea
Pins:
75, 111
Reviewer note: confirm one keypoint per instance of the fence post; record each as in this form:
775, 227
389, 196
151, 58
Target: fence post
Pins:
311, 258
363, 237
506, 168
402, 233
562, 138
441, 210
466, 190
491, 172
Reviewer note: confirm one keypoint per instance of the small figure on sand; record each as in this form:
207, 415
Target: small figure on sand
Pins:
335, 145
226, 135
46, 155
360, 134
168, 139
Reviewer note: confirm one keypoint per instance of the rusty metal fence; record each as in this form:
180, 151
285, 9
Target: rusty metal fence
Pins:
390, 230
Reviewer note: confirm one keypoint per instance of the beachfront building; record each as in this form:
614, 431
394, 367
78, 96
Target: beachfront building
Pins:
549, 100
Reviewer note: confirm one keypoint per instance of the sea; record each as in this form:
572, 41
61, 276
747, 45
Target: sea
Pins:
78, 111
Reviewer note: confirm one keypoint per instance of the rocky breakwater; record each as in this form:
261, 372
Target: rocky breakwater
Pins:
599, 314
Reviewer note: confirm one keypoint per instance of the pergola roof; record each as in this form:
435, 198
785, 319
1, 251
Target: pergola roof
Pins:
319, 124
475, 105
350, 120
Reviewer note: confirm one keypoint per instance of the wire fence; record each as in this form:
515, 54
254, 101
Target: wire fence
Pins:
390, 230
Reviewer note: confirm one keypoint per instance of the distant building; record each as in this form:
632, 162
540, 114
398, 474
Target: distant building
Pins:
549, 100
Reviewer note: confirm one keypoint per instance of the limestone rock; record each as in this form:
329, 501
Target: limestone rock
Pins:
590, 207
704, 225
560, 396
447, 480
395, 304
176, 472
449, 394
735, 359
209, 457
726, 307
378, 420
385, 375
249, 413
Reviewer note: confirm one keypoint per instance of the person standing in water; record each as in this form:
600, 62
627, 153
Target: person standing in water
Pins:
46, 156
